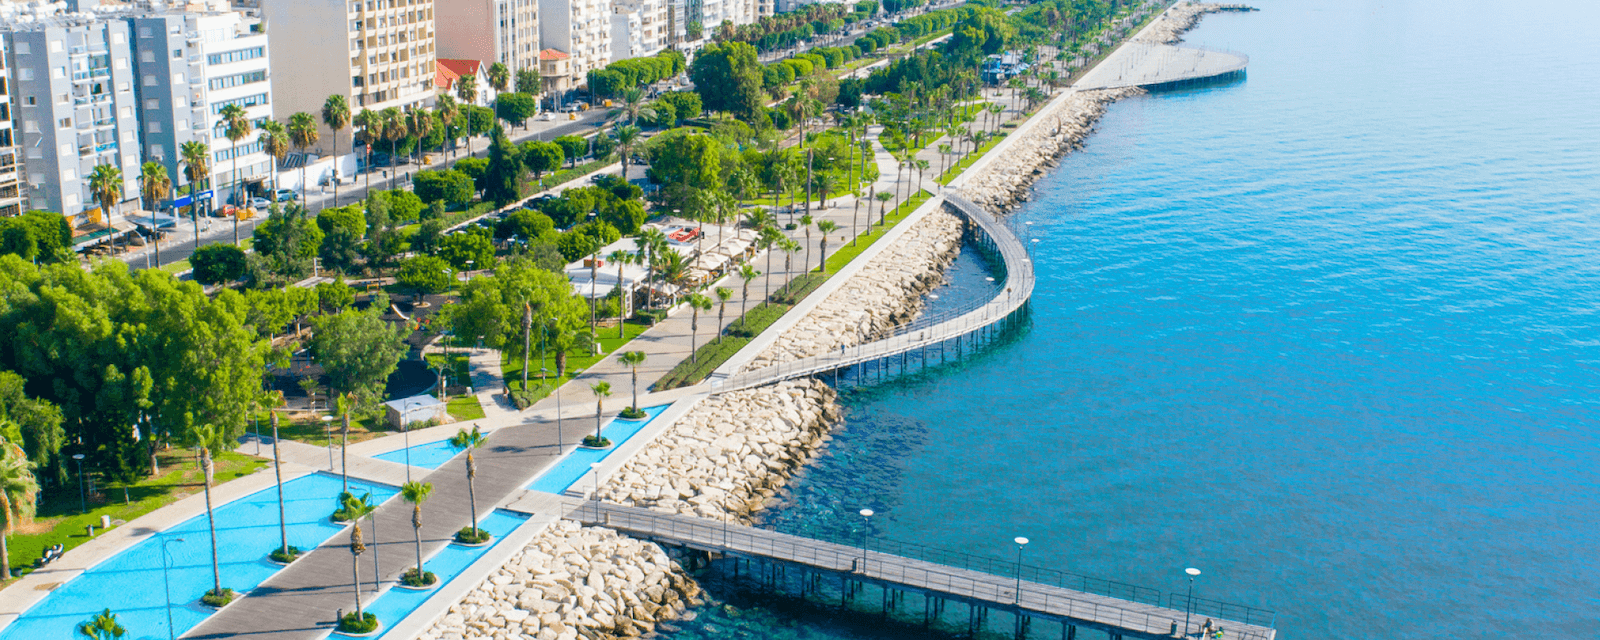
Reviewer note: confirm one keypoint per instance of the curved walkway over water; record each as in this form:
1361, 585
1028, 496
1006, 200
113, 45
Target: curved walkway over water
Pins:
926, 332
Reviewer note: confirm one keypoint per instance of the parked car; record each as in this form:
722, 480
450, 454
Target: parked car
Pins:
547, 116
285, 195
260, 204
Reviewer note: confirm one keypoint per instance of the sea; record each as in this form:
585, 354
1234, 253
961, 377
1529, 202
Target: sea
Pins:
1327, 333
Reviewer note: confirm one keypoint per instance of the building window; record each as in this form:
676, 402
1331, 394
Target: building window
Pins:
66, 123
237, 56
144, 32
225, 155
24, 48
30, 101
56, 46
149, 81
147, 56
355, 81
154, 126
152, 104
238, 79
158, 152
247, 102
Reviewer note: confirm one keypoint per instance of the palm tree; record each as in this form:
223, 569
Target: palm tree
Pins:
789, 247
370, 124
103, 626
697, 302
768, 237
212, 442
467, 92
499, 77
723, 295
106, 185
805, 223
826, 227
632, 360
469, 440
18, 486
746, 273
154, 185
633, 105
394, 130
196, 159
345, 403
417, 493
275, 142
421, 123
358, 508
336, 114
825, 184
628, 141
237, 126
277, 470
601, 390
448, 110
621, 257
922, 165
883, 206
944, 154
303, 133
651, 241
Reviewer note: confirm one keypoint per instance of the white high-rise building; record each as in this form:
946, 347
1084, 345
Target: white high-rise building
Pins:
580, 29
490, 31
377, 53
11, 202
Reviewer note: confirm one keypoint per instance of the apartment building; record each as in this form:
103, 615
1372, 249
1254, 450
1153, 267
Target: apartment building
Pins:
579, 28
639, 28
504, 31
73, 96
190, 66
377, 53
11, 200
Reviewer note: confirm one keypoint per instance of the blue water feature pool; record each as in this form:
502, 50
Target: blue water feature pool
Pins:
569, 468
427, 456
395, 604
130, 582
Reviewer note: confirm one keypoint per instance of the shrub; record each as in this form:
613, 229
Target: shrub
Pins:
278, 555
219, 599
473, 535
216, 263
367, 623
412, 578
592, 441
633, 413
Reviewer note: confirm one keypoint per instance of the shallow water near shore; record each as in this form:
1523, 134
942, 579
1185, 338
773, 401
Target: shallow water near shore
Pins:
1327, 334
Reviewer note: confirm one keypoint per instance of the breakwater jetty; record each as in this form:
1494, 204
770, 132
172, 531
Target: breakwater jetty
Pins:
845, 573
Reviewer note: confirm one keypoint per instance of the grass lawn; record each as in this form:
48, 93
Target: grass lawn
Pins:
511, 367
310, 429
567, 175
464, 408
967, 160
59, 522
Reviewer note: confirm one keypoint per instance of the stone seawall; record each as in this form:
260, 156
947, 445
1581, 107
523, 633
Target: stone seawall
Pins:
1169, 29
1001, 184
572, 582
885, 294
730, 454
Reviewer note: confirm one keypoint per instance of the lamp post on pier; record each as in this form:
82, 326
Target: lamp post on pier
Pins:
83, 496
1188, 601
1021, 542
866, 525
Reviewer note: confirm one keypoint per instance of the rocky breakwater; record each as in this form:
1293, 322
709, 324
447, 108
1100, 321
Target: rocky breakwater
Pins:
573, 582
1005, 181
885, 294
730, 454
1169, 29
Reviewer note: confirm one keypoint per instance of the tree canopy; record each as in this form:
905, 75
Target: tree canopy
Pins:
358, 349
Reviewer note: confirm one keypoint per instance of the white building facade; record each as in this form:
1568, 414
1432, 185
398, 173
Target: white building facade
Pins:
504, 31
580, 29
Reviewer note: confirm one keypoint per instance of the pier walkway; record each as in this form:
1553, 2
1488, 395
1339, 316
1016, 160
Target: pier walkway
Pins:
1155, 66
1028, 593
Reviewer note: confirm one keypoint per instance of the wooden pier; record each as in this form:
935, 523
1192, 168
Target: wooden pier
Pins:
982, 587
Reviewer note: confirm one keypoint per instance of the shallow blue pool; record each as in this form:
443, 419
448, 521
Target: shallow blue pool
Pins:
427, 456
569, 468
395, 604
130, 582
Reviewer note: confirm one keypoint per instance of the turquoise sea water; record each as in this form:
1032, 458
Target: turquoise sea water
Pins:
572, 466
1328, 334
131, 582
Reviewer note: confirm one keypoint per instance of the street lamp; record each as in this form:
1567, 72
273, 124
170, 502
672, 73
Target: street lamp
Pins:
83, 497
594, 469
166, 584
327, 429
866, 524
1021, 541
1188, 601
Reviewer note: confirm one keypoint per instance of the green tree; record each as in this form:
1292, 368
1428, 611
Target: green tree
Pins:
826, 227
525, 224
515, 108
685, 104
335, 114
728, 78
303, 133
504, 174
499, 77
452, 187
216, 263
32, 423
356, 509
542, 156
467, 251
601, 391
573, 148
468, 441
697, 302
723, 295
18, 488
105, 182
424, 275
358, 349
692, 160
528, 81
628, 142
350, 217
236, 128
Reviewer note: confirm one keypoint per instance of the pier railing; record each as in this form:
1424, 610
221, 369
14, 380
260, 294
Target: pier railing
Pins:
1010, 296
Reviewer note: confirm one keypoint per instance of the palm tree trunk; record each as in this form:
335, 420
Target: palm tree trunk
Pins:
635, 386
416, 532
344, 461
355, 571
238, 201
335, 168
211, 522
823, 264
5, 552
277, 470
472, 496
694, 335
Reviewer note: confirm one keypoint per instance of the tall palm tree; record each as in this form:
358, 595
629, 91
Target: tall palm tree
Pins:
499, 77
336, 114
421, 124
18, 486
746, 273
277, 470
275, 142
633, 105
621, 257
768, 237
417, 493
922, 165
651, 241
212, 441
358, 508
105, 182
944, 154
395, 129
724, 294
346, 403
601, 391
883, 206
303, 133
196, 159
467, 93
628, 141
470, 440
697, 302
154, 185
448, 111
632, 360
370, 125
789, 247
236, 127
103, 626
805, 223
825, 184
826, 227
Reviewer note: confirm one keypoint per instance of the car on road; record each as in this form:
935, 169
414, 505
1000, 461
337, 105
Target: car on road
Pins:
547, 116
285, 195
260, 204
